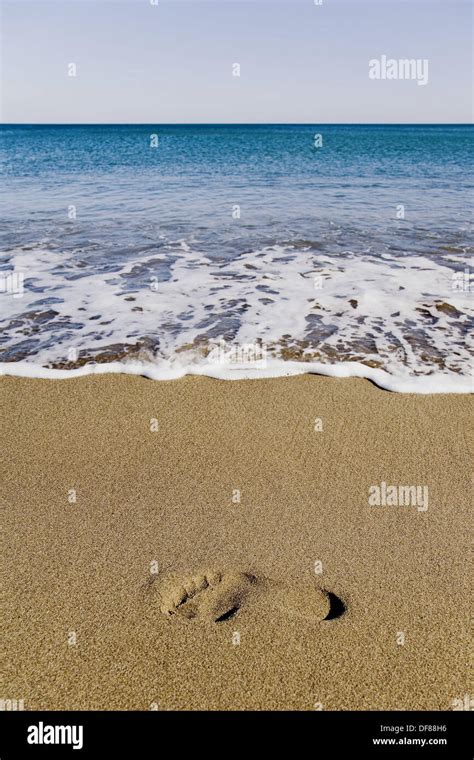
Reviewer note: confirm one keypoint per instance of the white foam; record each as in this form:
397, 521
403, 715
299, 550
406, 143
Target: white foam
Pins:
382, 309
435, 383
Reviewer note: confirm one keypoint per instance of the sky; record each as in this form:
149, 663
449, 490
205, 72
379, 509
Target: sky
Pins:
173, 62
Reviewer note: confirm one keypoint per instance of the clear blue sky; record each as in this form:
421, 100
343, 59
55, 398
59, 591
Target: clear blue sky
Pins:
172, 63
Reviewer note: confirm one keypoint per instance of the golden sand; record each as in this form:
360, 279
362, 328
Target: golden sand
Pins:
206, 544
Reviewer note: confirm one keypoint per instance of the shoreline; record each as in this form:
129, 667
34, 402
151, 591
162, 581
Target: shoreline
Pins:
116, 489
429, 384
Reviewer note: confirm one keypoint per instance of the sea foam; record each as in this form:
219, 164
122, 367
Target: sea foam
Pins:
435, 383
400, 321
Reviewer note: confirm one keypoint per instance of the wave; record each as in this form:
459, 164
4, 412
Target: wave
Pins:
402, 321
421, 384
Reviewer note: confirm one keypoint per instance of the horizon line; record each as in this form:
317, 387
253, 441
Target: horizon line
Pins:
235, 124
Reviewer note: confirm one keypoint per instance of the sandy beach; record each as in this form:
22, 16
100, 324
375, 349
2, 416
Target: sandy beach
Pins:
208, 544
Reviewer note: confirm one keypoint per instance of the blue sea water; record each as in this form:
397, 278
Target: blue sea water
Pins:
158, 241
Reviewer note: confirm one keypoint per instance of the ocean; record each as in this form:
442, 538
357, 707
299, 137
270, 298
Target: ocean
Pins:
239, 251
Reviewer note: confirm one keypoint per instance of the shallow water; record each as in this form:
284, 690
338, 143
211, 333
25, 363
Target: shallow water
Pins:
230, 245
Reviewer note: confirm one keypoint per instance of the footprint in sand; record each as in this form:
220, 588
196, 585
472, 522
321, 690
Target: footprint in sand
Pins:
215, 596
208, 595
